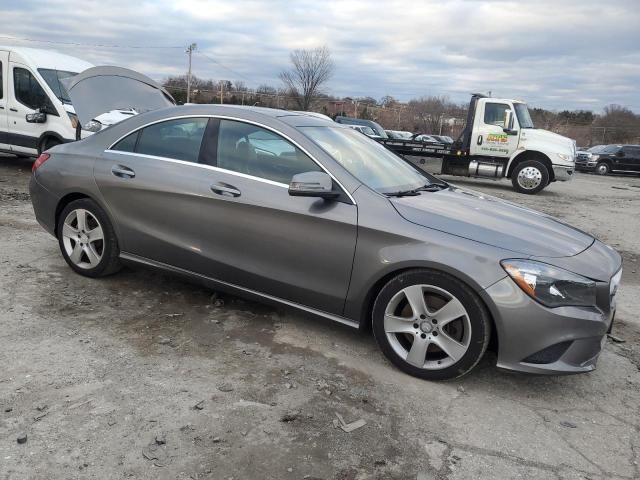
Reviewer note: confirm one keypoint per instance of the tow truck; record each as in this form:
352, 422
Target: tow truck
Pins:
498, 141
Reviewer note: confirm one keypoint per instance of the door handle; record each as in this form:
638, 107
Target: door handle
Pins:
479, 139
122, 171
225, 189
13, 109
1, 107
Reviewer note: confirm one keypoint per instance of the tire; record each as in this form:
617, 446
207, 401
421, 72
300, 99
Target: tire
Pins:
603, 168
530, 177
397, 326
48, 143
80, 243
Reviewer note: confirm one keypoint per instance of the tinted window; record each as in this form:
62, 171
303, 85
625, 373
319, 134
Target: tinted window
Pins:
255, 151
179, 139
127, 144
632, 151
494, 113
29, 92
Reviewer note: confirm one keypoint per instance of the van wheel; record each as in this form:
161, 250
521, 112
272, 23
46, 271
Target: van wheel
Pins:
530, 177
603, 168
430, 325
48, 143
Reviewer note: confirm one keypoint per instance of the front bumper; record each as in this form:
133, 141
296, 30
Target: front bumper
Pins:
535, 339
586, 166
562, 173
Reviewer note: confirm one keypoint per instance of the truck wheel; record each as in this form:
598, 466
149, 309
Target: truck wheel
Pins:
530, 177
603, 168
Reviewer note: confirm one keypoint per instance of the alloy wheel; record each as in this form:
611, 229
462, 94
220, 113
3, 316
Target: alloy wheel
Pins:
83, 238
529, 178
427, 326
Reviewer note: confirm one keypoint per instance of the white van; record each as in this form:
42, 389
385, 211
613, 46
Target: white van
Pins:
30, 83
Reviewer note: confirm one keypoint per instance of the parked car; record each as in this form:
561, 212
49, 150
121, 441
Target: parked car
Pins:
604, 159
304, 212
443, 139
399, 135
425, 138
376, 127
368, 131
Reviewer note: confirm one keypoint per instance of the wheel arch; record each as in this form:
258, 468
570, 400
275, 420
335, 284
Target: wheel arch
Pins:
531, 155
376, 285
45, 136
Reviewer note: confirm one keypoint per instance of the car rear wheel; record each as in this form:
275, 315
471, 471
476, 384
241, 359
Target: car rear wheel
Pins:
530, 177
603, 168
87, 240
430, 325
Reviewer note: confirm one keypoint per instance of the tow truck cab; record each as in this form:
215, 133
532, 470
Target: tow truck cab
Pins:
500, 140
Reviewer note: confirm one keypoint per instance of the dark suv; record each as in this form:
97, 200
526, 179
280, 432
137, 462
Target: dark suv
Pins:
604, 159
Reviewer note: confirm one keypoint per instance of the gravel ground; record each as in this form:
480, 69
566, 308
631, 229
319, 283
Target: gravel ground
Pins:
142, 375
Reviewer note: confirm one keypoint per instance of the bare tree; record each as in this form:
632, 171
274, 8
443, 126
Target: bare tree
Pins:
311, 70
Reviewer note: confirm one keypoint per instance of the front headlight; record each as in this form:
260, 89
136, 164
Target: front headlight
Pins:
92, 126
566, 157
594, 158
551, 286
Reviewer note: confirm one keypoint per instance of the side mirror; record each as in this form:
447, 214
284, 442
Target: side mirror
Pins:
312, 184
36, 117
508, 123
620, 153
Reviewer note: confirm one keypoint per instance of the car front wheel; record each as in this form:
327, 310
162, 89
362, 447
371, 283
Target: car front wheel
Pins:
430, 325
602, 168
530, 177
87, 240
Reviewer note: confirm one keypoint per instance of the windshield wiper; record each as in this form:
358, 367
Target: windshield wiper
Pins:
430, 187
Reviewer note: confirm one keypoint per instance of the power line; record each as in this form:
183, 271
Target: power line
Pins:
223, 66
98, 45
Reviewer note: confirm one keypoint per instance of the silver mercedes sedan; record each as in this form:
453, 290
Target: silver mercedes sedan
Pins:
294, 209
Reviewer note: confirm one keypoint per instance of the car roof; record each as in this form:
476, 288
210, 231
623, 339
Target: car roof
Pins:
43, 58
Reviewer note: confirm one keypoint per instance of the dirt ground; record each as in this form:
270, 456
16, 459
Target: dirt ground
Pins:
142, 375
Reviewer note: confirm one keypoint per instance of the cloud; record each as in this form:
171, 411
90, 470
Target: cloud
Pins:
569, 54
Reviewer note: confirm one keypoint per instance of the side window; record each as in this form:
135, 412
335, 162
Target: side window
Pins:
494, 113
29, 92
127, 144
179, 139
255, 151
633, 152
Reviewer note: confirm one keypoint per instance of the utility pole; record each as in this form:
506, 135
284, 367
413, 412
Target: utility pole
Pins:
189, 51
221, 91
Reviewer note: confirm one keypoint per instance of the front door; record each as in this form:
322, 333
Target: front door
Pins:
150, 181
26, 96
629, 161
489, 136
4, 128
255, 235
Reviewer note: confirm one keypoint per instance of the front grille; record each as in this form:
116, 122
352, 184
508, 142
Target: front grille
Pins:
582, 157
549, 354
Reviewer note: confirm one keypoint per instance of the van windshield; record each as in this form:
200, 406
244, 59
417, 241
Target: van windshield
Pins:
53, 77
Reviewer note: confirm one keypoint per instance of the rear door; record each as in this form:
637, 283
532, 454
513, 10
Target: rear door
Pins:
488, 137
150, 181
630, 159
4, 127
255, 235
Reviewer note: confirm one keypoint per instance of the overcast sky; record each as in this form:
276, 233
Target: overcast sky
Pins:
554, 54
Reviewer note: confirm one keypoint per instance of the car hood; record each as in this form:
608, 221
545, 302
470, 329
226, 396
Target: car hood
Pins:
99, 90
537, 136
492, 221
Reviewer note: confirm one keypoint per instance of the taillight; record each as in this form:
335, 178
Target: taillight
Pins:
40, 161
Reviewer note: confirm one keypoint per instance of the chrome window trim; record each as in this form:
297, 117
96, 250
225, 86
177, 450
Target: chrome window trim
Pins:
196, 164
235, 119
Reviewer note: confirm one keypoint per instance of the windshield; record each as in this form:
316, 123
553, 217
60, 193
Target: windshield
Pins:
604, 149
53, 77
522, 112
366, 159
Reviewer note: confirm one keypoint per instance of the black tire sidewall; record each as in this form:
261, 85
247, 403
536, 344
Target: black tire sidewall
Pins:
109, 263
546, 178
478, 316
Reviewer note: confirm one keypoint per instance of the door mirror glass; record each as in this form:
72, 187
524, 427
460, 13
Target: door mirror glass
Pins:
312, 184
37, 117
508, 120
620, 153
